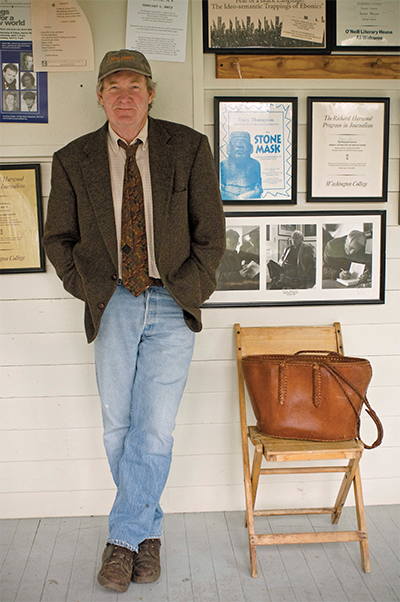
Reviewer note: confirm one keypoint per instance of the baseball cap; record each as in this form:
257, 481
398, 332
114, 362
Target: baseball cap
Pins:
123, 60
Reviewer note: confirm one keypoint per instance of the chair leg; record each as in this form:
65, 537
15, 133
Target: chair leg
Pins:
253, 560
255, 472
361, 522
344, 489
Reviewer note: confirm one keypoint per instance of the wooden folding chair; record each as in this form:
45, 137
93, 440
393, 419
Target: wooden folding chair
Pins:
288, 340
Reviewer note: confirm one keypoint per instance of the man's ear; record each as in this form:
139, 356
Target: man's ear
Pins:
100, 98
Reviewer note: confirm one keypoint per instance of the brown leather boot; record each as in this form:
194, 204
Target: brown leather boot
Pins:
116, 572
146, 564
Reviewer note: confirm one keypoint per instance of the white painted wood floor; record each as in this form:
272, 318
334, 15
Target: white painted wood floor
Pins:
204, 559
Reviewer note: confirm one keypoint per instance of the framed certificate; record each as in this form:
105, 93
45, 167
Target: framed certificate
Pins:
367, 26
256, 149
348, 146
302, 258
265, 27
21, 221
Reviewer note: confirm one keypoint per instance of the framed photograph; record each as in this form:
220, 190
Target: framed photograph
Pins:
256, 149
21, 219
367, 26
348, 147
267, 262
250, 26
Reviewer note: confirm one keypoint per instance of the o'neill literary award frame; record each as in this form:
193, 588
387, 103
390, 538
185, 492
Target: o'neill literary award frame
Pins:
366, 26
256, 149
348, 147
21, 219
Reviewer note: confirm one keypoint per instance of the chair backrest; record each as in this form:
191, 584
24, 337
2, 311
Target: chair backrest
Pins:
281, 339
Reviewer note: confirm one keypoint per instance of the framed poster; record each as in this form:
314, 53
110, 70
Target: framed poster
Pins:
24, 90
367, 26
256, 149
254, 26
348, 147
21, 219
302, 258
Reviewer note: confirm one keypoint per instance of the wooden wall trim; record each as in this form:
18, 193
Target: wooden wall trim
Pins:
253, 66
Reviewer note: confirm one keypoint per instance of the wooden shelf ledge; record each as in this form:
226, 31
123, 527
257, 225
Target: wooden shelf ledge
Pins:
256, 66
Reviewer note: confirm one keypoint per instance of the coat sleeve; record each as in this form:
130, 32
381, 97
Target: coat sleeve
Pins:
207, 222
61, 231
193, 235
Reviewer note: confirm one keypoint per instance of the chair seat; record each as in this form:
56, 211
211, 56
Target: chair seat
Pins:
284, 450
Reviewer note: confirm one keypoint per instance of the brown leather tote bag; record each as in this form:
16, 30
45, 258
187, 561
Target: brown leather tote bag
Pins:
311, 395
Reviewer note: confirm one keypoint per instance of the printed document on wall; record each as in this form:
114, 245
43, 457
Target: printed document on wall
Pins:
158, 29
62, 39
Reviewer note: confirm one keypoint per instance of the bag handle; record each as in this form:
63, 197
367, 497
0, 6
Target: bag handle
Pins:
335, 353
339, 377
317, 386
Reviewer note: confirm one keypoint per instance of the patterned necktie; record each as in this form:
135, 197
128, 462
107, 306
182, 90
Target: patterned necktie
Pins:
135, 272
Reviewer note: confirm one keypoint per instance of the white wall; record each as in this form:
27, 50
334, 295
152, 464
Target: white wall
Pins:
53, 462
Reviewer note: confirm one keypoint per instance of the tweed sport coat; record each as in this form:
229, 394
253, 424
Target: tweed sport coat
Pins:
189, 231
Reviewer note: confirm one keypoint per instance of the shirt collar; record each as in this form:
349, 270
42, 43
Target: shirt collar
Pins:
113, 138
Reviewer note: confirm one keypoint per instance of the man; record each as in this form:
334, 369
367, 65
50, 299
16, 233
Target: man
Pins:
341, 252
10, 72
296, 267
135, 228
237, 269
240, 173
27, 61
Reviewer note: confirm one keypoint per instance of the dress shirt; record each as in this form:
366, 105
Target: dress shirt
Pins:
117, 157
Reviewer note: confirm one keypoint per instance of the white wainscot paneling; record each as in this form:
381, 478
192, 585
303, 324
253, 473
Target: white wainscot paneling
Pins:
72, 475
47, 381
55, 504
313, 315
45, 349
26, 316
30, 413
50, 445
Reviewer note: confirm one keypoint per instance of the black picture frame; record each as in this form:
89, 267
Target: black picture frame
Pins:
367, 29
236, 29
21, 219
260, 270
347, 149
261, 169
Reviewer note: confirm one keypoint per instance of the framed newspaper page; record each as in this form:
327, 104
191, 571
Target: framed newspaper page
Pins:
348, 147
21, 221
256, 26
256, 149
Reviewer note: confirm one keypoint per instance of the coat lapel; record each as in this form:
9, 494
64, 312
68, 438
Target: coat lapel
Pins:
96, 172
162, 158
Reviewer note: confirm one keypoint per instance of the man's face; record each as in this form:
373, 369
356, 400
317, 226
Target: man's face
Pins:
10, 75
125, 99
28, 60
297, 239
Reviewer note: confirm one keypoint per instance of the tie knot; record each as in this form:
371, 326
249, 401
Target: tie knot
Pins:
130, 150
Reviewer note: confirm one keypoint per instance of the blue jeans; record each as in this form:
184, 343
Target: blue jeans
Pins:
142, 354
